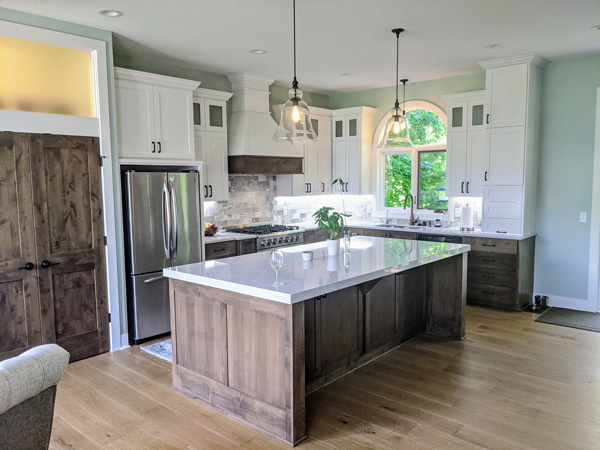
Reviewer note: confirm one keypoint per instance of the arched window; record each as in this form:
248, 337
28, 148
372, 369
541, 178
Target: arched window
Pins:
419, 171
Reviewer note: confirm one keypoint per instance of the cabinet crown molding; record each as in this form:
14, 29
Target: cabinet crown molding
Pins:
212, 94
473, 95
249, 81
527, 58
154, 79
354, 110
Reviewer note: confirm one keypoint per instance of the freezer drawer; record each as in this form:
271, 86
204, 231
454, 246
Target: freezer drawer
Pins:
150, 301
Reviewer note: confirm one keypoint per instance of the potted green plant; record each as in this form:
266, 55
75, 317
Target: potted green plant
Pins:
326, 218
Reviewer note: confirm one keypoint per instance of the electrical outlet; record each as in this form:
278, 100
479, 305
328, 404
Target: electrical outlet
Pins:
583, 217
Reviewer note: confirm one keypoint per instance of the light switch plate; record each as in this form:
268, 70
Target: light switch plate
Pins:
583, 217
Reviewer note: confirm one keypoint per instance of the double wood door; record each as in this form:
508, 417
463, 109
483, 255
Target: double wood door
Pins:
52, 265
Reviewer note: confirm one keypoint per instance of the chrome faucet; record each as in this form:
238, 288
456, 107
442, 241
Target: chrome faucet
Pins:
411, 219
387, 219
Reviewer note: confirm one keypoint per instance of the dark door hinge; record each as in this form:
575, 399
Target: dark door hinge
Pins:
102, 160
109, 318
105, 241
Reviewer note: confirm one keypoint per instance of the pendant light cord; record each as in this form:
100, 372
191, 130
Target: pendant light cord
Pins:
397, 64
295, 82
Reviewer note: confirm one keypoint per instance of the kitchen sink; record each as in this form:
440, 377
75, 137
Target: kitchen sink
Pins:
403, 227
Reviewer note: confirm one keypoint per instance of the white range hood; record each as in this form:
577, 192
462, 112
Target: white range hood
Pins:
251, 130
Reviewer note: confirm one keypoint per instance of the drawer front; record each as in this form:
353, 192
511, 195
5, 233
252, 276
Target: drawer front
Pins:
504, 194
494, 277
492, 245
219, 250
502, 226
502, 210
402, 235
500, 261
312, 236
246, 246
491, 294
376, 233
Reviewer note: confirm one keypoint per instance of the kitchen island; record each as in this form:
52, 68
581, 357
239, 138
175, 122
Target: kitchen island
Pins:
254, 351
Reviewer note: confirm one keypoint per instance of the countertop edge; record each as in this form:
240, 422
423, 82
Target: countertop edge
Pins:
311, 293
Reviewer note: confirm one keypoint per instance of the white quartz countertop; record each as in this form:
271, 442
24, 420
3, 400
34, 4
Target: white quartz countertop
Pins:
454, 231
226, 236
370, 258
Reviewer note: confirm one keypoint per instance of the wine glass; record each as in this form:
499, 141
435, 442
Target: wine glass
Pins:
276, 261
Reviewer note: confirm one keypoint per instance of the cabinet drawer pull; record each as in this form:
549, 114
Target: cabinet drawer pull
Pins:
159, 147
487, 276
322, 187
309, 188
468, 186
485, 176
205, 191
488, 245
219, 249
153, 147
487, 120
501, 232
210, 187
462, 187
488, 260
488, 292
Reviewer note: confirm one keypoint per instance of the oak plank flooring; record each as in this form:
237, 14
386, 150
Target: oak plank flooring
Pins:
512, 384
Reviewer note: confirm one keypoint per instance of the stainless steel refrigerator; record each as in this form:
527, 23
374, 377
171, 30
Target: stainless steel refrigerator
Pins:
163, 229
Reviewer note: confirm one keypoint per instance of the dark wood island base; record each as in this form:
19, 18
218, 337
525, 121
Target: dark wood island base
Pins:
256, 359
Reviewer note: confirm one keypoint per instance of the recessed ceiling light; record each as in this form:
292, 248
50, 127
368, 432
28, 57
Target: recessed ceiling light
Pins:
258, 51
596, 28
110, 13
346, 74
493, 46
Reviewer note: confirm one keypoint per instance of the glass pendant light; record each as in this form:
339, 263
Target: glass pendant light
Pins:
295, 124
397, 130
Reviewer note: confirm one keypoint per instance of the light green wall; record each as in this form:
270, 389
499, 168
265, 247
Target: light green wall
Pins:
10, 15
279, 95
431, 91
565, 176
208, 80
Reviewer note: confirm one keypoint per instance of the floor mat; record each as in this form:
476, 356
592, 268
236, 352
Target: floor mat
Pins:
162, 349
570, 318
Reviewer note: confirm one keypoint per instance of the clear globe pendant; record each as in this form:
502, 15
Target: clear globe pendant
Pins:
295, 124
397, 133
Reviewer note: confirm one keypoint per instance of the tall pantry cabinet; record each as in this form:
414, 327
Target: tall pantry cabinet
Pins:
52, 258
512, 116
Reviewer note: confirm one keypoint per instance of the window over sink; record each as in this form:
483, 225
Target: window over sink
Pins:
419, 171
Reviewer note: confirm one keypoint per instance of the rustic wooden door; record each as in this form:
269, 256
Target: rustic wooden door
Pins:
20, 327
69, 231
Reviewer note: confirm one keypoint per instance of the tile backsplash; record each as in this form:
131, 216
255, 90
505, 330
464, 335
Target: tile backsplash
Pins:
253, 198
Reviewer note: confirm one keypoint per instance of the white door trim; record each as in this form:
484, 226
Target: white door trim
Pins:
97, 51
594, 264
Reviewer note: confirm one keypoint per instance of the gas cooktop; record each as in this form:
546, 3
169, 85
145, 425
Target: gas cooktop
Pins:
272, 236
264, 229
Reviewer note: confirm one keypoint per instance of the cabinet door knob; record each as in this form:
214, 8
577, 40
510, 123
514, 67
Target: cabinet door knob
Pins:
153, 147
27, 266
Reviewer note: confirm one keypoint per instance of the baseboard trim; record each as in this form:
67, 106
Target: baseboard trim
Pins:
578, 304
124, 341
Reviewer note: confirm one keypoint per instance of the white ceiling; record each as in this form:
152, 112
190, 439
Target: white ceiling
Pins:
442, 38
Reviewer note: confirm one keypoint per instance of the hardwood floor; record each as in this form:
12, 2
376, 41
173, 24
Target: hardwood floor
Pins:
512, 384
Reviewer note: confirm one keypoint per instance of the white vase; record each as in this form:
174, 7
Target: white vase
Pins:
333, 247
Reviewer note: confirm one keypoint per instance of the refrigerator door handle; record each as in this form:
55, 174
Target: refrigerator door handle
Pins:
173, 240
166, 210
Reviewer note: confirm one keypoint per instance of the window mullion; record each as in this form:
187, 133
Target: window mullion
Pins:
414, 176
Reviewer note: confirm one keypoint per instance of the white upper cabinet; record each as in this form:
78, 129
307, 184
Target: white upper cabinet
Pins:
316, 179
465, 152
210, 135
154, 116
352, 135
506, 96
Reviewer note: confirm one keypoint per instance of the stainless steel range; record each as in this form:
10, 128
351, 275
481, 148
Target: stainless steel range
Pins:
272, 236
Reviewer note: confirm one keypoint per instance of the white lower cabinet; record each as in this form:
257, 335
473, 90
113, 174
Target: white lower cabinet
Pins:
505, 156
502, 226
